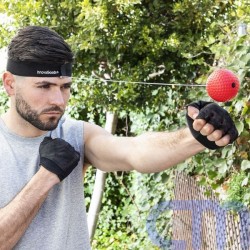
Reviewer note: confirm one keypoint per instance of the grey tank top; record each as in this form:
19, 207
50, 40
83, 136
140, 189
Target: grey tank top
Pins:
61, 222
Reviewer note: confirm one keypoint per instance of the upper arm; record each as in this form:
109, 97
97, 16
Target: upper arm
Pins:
106, 151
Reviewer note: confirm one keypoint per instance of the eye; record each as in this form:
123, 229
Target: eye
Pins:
66, 86
47, 86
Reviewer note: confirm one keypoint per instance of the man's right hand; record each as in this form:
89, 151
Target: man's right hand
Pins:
58, 156
210, 124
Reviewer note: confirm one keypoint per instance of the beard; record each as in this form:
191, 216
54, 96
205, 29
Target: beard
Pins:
33, 117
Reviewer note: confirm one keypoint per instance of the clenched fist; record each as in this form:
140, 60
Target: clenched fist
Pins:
58, 156
211, 124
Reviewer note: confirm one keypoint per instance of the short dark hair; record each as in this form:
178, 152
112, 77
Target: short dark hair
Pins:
41, 45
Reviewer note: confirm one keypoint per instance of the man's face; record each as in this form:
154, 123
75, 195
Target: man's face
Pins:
42, 101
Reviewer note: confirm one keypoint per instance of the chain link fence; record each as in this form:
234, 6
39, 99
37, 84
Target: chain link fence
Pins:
200, 222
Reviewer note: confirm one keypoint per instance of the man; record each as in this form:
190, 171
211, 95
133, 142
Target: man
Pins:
43, 152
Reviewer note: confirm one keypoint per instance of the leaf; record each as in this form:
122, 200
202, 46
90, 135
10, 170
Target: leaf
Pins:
240, 126
202, 181
212, 174
248, 122
155, 92
238, 106
247, 196
245, 181
245, 58
215, 186
245, 164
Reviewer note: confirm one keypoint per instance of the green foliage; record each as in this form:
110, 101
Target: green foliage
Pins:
114, 227
235, 56
239, 187
4, 101
149, 190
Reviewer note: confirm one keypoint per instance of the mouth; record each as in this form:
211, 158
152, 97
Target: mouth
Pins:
52, 113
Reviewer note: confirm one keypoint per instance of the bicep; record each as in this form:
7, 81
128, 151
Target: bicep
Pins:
105, 151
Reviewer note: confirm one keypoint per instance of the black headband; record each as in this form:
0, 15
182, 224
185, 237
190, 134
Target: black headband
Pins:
38, 70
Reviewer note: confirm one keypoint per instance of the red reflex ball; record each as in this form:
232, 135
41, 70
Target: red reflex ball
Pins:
222, 85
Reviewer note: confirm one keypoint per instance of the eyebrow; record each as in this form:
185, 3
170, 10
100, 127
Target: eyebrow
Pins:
51, 83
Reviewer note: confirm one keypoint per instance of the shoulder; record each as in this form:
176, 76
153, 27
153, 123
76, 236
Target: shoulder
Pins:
93, 132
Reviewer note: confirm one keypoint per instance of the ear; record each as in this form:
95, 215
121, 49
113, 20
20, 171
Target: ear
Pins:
9, 83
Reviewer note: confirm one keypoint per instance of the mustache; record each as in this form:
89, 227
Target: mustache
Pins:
51, 109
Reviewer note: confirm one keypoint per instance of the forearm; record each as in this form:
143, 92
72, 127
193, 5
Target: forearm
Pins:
147, 153
18, 214
167, 149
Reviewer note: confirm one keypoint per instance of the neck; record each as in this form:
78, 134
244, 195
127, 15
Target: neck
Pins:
16, 124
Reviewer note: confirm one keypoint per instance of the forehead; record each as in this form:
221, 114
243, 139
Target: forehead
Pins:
52, 80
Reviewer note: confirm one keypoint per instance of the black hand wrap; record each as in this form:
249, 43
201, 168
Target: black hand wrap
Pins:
58, 156
215, 115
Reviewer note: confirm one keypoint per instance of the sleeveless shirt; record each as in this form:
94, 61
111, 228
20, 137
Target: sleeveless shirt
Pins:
61, 221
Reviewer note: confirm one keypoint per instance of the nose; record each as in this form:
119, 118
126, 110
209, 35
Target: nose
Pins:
57, 97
